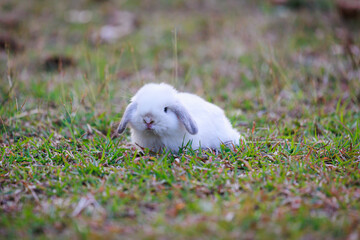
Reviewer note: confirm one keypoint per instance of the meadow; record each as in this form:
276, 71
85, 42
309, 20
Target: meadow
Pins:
287, 74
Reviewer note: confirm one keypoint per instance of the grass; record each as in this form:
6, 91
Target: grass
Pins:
287, 78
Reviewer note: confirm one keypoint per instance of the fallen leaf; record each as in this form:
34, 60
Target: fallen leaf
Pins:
79, 16
58, 62
85, 202
8, 43
121, 24
10, 20
348, 9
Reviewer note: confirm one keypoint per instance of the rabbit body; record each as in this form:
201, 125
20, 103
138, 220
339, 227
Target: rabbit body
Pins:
160, 117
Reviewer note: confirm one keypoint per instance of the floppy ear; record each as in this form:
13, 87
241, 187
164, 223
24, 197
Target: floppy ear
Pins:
184, 117
127, 116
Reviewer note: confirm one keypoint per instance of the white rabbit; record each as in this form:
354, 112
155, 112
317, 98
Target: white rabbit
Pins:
160, 117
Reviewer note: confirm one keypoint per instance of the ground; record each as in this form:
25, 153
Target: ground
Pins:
285, 72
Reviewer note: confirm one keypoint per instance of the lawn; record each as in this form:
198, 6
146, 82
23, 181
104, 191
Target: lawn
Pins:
287, 74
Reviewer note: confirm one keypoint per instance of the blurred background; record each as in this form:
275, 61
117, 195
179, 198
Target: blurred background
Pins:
79, 62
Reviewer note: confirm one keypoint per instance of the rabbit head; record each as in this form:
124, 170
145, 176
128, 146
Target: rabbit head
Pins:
156, 110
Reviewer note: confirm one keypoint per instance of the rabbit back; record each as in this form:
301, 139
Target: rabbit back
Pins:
214, 127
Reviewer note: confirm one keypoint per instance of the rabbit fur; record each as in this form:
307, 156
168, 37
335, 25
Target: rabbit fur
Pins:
161, 117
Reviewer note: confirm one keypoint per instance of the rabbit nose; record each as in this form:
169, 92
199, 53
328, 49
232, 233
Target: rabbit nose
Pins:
148, 121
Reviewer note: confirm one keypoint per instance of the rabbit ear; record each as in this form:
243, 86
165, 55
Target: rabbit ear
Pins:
184, 117
127, 116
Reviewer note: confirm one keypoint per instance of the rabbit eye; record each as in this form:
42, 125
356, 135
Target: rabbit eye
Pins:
165, 109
